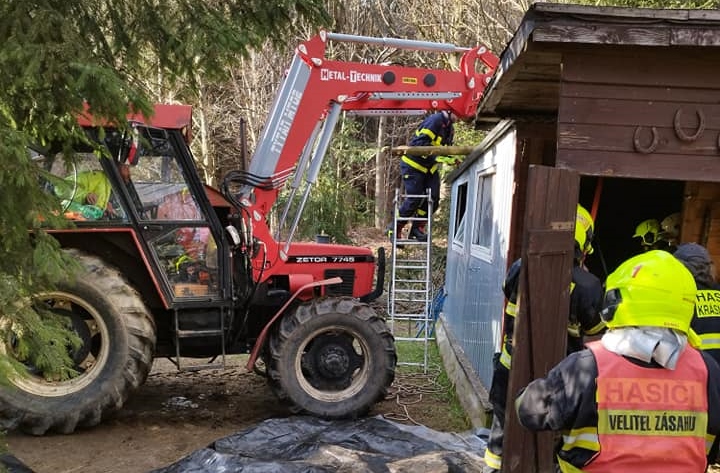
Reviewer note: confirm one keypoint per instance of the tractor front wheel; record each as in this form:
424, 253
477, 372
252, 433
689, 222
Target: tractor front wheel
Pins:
333, 358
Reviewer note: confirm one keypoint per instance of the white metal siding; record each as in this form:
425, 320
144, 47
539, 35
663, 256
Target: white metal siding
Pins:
475, 302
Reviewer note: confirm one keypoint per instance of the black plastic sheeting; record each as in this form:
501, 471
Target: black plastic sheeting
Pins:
12, 464
310, 445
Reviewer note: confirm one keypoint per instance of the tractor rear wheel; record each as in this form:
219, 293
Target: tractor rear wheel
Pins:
118, 336
333, 358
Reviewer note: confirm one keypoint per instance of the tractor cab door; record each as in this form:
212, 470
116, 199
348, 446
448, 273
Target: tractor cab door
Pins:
176, 226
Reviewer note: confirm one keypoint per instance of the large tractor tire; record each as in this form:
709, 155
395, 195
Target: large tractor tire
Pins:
118, 337
333, 358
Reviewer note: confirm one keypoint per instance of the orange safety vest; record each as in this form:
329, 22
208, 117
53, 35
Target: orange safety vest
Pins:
650, 419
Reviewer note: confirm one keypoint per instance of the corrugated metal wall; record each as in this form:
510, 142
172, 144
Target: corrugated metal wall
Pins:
474, 273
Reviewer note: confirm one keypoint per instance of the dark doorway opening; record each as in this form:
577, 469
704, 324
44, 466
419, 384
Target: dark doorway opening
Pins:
623, 203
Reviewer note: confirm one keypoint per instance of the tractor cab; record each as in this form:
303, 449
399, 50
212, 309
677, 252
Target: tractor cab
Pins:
145, 186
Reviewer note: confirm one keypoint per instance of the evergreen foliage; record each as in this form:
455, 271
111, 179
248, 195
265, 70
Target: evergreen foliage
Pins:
57, 55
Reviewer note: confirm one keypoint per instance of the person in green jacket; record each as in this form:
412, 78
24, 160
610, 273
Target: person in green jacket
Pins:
93, 188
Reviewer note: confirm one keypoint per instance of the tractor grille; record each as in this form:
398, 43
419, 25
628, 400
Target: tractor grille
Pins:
343, 289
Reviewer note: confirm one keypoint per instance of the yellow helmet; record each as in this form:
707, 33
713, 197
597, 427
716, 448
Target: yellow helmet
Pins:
670, 226
648, 230
650, 289
584, 227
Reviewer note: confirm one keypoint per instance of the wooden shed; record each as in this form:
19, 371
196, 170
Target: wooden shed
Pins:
615, 108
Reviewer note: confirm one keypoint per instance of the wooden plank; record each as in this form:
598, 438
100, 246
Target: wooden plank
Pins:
640, 66
599, 14
654, 166
694, 36
647, 112
635, 35
704, 15
699, 214
632, 139
711, 237
541, 324
646, 93
595, 33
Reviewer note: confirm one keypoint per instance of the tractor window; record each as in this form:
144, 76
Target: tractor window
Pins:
162, 190
81, 184
188, 256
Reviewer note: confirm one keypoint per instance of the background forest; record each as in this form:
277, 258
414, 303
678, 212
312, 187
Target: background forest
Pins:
357, 183
226, 58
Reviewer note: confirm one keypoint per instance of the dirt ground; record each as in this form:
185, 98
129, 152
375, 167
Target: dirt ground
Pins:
175, 413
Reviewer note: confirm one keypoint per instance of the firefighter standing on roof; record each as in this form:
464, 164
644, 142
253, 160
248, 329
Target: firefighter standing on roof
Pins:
583, 319
641, 399
420, 173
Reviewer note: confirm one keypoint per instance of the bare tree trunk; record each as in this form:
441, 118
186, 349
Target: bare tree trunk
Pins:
380, 177
204, 158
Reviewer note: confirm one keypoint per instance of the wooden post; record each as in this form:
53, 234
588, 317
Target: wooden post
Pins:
540, 338
381, 195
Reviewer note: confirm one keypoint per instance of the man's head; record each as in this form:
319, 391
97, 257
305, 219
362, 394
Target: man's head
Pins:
124, 169
448, 114
670, 228
697, 259
652, 289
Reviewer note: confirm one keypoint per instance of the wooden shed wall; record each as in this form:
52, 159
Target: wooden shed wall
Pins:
640, 112
701, 216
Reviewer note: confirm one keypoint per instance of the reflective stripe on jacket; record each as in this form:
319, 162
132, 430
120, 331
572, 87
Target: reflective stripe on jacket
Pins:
646, 416
706, 321
435, 130
412, 161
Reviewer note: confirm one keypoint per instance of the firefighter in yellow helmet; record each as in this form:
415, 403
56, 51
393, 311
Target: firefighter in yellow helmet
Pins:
583, 319
670, 231
641, 399
648, 231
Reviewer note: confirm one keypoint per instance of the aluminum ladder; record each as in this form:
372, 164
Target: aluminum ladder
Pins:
410, 286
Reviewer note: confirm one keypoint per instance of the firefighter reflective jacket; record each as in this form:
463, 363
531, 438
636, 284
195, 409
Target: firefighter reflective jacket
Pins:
604, 404
646, 416
706, 321
586, 295
435, 130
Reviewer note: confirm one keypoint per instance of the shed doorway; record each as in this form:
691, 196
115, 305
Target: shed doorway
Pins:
622, 204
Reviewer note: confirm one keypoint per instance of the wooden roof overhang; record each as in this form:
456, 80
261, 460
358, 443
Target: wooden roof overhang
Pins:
526, 83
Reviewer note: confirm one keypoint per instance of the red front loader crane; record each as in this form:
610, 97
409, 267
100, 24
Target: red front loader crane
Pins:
179, 270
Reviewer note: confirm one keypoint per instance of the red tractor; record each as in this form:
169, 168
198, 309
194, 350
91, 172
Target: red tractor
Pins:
176, 269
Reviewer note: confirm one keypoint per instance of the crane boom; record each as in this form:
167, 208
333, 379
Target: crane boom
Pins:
308, 105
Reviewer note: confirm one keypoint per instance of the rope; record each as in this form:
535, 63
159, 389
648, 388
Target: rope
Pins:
409, 389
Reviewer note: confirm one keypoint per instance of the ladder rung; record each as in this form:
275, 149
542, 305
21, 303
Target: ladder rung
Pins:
411, 291
410, 317
410, 219
424, 281
199, 333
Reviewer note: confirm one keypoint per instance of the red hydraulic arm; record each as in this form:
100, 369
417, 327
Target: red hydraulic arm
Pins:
308, 106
